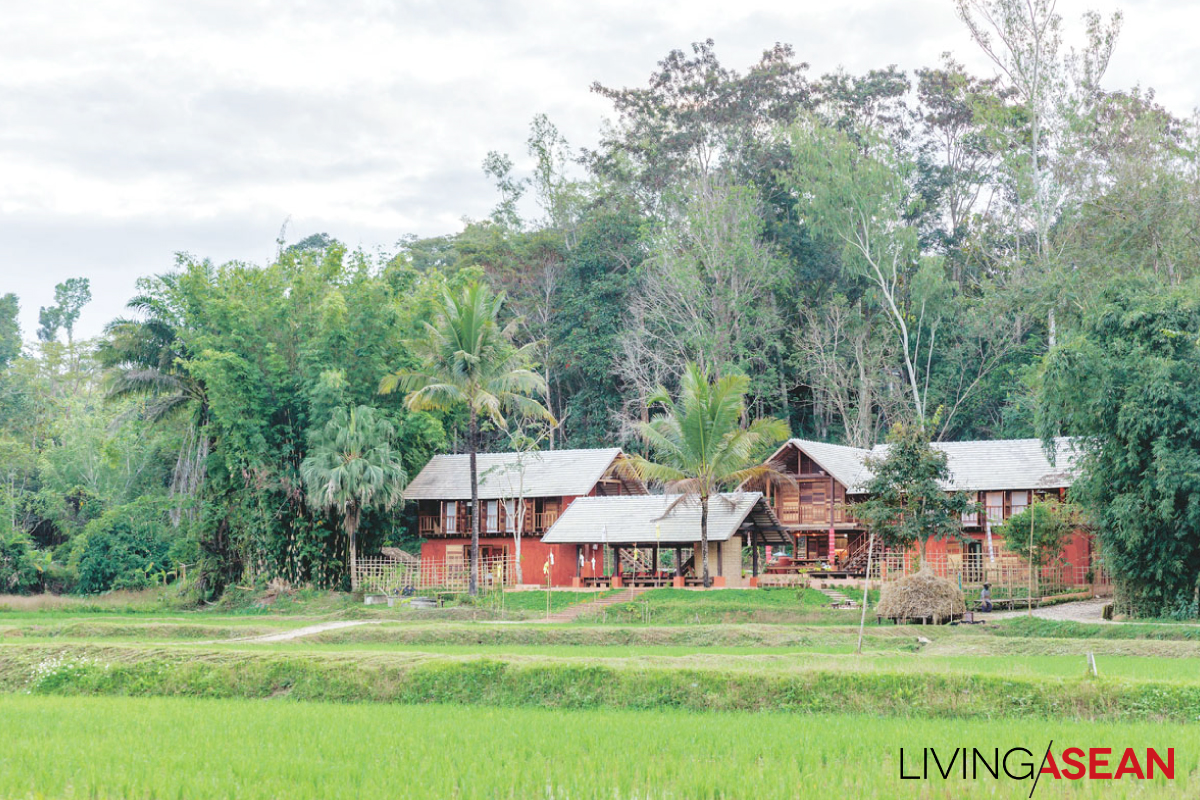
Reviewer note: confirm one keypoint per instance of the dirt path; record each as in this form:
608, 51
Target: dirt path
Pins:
297, 633
1079, 611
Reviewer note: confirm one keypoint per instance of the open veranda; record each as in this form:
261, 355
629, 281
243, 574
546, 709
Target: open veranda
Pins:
727, 693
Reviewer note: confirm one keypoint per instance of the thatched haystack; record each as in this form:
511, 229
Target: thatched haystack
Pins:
921, 596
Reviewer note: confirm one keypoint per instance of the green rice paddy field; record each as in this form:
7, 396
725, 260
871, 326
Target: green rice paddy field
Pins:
107, 703
168, 748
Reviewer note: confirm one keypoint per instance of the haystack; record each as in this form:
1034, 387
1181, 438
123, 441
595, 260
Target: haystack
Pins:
921, 596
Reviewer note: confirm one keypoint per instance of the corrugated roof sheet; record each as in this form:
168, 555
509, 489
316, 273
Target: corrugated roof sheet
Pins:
546, 474
977, 466
633, 519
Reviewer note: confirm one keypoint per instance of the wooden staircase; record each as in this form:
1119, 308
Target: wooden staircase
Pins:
571, 613
856, 564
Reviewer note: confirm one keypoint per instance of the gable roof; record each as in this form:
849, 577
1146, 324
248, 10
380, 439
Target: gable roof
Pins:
976, 466
552, 473
644, 519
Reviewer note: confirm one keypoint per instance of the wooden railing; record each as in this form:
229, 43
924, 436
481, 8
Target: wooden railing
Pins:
1004, 571
794, 513
378, 574
434, 525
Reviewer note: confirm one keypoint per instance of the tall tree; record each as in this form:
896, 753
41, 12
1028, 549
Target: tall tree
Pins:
1023, 38
856, 196
467, 359
1129, 387
698, 445
694, 115
351, 467
908, 503
706, 294
146, 356
10, 330
70, 297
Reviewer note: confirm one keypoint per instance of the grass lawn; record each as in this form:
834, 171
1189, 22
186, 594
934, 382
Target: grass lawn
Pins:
691, 607
183, 748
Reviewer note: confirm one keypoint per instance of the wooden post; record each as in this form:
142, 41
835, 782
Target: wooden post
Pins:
753, 554
866, 589
720, 561
1031, 515
678, 562
832, 534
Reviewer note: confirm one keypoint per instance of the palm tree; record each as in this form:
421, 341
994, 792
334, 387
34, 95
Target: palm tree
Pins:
466, 358
698, 444
147, 357
351, 467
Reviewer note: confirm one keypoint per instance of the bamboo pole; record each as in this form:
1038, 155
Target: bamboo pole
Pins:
1030, 598
866, 588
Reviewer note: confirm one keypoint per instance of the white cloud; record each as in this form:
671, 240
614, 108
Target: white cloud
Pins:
134, 128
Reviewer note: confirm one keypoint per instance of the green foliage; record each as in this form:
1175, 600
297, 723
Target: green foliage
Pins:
863, 248
128, 547
10, 330
1129, 385
698, 446
1045, 526
19, 572
467, 359
351, 468
907, 505
70, 297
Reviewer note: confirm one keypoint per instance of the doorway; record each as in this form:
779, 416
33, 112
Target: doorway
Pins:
973, 562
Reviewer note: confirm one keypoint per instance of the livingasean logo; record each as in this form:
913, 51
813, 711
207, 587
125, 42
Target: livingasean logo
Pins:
1021, 764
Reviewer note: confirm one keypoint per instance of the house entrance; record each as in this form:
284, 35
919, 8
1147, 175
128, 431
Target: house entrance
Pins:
973, 562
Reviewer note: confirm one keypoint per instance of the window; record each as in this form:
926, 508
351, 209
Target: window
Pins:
971, 518
1020, 501
510, 516
450, 516
493, 516
994, 506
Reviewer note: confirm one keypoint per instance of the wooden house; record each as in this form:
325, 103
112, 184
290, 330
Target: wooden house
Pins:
619, 540
540, 484
1003, 476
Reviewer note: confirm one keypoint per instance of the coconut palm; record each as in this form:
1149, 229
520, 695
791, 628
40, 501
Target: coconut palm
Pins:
698, 446
351, 467
467, 359
146, 356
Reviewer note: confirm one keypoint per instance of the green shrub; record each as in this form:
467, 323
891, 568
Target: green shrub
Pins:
128, 547
18, 568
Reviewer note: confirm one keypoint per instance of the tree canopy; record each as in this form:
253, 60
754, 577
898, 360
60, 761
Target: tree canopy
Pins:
1008, 254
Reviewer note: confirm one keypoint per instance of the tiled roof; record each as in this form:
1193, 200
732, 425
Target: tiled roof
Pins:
552, 473
646, 519
994, 465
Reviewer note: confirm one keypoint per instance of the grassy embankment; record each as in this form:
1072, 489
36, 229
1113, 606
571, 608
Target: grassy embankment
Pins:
1010, 669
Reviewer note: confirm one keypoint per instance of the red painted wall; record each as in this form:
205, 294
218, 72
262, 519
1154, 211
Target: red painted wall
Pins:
533, 556
1077, 552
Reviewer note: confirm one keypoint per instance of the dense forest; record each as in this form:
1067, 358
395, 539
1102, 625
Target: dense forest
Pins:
1006, 255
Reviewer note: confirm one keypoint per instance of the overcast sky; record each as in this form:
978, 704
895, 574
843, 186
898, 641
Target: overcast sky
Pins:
132, 130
